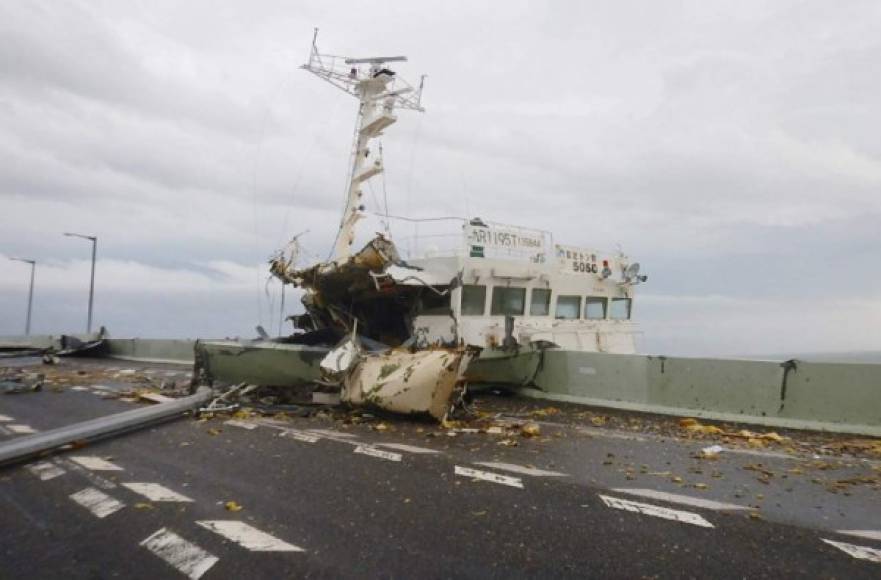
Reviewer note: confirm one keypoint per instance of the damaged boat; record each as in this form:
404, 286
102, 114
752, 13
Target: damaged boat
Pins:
407, 335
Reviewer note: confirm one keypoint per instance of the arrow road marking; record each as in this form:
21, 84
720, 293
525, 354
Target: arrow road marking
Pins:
868, 534
374, 452
489, 476
656, 511
697, 502
859, 552
514, 468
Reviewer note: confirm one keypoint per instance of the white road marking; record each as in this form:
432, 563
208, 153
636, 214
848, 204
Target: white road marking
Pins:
99, 503
859, 552
489, 476
5, 431
300, 436
79, 388
240, 424
5, 418
187, 558
331, 433
698, 502
248, 537
656, 511
868, 534
95, 463
94, 478
156, 492
521, 469
407, 448
374, 452
45, 470
21, 429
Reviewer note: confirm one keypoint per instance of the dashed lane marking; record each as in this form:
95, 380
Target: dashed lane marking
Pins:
407, 448
96, 480
79, 388
240, 424
489, 476
521, 469
697, 502
300, 436
156, 492
45, 470
99, 503
184, 556
374, 452
330, 433
655, 511
21, 429
868, 534
95, 463
859, 552
5, 431
5, 418
248, 537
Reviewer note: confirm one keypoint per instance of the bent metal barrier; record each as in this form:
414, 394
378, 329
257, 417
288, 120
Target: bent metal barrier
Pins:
841, 397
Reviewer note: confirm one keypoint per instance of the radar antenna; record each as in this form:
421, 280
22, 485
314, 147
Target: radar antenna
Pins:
379, 91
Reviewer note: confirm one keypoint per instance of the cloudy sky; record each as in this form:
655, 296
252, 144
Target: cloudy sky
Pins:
733, 148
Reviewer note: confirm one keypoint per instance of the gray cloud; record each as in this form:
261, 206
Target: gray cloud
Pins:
732, 148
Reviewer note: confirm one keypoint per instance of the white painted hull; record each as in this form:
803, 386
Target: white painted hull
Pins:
407, 382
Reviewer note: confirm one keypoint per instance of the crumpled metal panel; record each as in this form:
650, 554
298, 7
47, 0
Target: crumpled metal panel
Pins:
407, 382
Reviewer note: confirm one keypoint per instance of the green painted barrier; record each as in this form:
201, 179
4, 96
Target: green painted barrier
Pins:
839, 397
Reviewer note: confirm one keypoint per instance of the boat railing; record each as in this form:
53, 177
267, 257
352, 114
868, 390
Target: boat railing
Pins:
431, 237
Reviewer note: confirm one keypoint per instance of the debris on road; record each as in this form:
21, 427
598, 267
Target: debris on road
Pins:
232, 506
17, 381
711, 452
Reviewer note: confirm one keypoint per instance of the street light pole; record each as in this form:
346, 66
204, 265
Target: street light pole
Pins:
94, 240
27, 324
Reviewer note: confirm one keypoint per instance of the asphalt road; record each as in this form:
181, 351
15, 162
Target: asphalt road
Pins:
320, 498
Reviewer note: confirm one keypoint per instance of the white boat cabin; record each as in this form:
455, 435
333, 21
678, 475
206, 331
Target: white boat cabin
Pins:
576, 298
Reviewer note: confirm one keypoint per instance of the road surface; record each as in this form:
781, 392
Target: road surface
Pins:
320, 497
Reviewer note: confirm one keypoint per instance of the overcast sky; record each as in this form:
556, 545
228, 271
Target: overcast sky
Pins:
733, 148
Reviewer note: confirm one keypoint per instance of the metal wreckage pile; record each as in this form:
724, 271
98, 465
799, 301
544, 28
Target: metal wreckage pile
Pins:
358, 326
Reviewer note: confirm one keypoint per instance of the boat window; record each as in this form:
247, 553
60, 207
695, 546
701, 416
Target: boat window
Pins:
595, 307
540, 302
508, 301
620, 309
431, 303
568, 307
473, 300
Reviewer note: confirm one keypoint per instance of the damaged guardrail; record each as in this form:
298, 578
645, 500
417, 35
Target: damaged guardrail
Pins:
26, 448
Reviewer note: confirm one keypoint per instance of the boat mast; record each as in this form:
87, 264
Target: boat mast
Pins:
379, 91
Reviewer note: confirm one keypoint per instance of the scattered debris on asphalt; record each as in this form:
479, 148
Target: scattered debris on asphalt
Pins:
17, 381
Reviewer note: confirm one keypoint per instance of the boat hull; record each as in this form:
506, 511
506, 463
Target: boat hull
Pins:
412, 383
